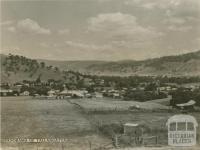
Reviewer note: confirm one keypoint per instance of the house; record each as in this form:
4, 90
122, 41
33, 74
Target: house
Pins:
51, 93
88, 95
187, 106
6, 92
76, 93
73, 93
88, 82
98, 95
132, 136
25, 93
132, 129
161, 88
116, 95
16, 89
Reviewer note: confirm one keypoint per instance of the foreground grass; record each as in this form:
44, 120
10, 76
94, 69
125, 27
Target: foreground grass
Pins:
24, 117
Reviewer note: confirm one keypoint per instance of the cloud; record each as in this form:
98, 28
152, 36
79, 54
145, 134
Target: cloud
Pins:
175, 20
63, 31
121, 26
85, 46
150, 5
178, 24
7, 23
11, 29
180, 28
197, 41
159, 4
45, 45
31, 26
103, 1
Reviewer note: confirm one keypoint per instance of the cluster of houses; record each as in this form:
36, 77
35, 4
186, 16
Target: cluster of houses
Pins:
83, 93
13, 91
99, 90
68, 94
10, 92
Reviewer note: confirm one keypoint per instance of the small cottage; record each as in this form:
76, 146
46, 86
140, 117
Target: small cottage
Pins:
132, 129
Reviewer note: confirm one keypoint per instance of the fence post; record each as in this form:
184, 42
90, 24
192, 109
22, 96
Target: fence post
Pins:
62, 146
116, 141
156, 140
142, 140
90, 145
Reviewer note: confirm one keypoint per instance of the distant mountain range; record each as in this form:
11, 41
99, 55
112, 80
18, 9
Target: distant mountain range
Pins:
178, 65
17, 68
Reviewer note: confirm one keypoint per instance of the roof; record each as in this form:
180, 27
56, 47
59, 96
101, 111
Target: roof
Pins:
64, 92
131, 124
182, 118
75, 92
190, 103
51, 92
5, 90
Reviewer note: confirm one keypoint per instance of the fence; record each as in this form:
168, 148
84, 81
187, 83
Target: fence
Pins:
125, 140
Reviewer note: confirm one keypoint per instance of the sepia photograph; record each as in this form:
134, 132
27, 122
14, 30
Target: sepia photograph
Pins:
100, 74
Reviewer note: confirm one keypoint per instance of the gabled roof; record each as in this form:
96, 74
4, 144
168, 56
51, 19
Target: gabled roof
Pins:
190, 103
131, 124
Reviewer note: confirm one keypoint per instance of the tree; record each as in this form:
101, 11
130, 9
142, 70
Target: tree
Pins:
180, 96
151, 87
38, 80
42, 64
56, 69
49, 67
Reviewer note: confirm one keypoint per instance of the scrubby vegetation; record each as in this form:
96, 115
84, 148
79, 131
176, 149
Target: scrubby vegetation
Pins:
157, 63
110, 130
16, 63
143, 96
183, 96
170, 65
18, 68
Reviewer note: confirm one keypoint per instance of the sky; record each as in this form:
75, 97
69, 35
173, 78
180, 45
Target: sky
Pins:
99, 29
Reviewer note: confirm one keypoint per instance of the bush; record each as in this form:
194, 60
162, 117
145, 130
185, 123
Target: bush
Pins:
143, 96
183, 96
111, 129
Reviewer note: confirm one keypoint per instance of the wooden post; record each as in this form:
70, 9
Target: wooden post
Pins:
156, 140
142, 140
90, 145
62, 146
116, 141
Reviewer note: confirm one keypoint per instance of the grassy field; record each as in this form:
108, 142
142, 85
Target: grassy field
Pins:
149, 116
153, 123
24, 117
91, 105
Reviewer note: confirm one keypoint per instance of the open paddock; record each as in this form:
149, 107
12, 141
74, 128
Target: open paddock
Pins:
153, 124
102, 105
25, 117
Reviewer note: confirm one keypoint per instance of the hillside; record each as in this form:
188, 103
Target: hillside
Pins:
16, 68
179, 65
80, 66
